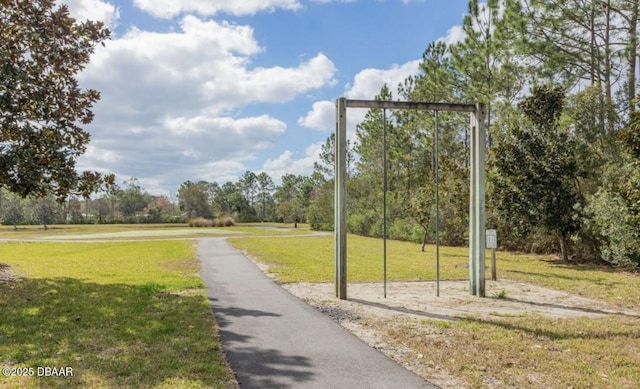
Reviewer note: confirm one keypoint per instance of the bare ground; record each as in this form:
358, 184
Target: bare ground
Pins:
5, 273
368, 314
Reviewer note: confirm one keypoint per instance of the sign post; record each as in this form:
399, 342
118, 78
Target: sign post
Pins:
492, 243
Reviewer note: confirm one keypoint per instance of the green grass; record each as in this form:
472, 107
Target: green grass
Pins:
120, 315
105, 232
524, 351
310, 259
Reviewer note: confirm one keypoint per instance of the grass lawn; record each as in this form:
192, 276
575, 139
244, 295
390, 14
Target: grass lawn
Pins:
127, 314
106, 232
310, 259
524, 351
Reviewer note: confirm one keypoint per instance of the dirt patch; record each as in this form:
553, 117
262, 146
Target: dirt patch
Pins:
369, 315
5, 273
420, 300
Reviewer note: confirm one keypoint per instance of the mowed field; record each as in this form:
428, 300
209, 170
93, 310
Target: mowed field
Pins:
109, 307
124, 306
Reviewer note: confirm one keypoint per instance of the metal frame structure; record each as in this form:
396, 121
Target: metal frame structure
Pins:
476, 198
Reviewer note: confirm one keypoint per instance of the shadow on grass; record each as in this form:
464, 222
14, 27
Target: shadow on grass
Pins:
257, 367
574, 329
593, 266
571, 308
110, 335
597, 281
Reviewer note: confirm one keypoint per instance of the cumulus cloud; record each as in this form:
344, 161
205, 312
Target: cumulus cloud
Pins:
289, 163
322, 116
171, 8
454, 35
366, 85
368, 82
94, 10
170, 101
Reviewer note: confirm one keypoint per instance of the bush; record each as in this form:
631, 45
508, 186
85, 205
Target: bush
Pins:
611, 221
200, 222
228, 222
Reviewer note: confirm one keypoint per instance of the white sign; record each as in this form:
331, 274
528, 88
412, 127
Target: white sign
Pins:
492, 239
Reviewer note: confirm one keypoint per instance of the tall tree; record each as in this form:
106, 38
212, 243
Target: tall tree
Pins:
265, 192
42, 106
44, 210
196, 199
249, 184
537, 171
577, 42
291, 203
132, 199
486, 60
13, 212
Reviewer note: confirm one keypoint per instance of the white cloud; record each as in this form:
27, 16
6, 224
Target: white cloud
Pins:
94, 10
366, 85
169, 102
170, 8
287, 163
321, 117
368, 82
454, 35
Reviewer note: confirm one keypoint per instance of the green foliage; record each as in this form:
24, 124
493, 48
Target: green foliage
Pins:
631, 135
41, 104
132, 199
45, 210
265, 198
613, 214
320, 213
196, 199
536, 170
13, 211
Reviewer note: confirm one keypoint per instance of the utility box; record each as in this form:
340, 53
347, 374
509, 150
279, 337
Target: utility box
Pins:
492, 239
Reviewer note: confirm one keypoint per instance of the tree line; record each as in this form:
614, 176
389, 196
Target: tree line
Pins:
558, 80
252, 198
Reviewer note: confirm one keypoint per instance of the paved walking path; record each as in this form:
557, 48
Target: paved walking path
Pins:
274, 340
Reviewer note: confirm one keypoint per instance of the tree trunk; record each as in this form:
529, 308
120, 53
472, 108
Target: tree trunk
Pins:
424, 239
563, 247
634, 52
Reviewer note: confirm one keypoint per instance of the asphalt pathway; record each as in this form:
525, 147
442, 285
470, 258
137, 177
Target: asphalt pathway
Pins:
274, 340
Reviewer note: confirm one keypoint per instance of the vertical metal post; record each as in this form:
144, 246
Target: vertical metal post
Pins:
477, 217
494, 272
437, 176
384, 197
480, 199
472, 201
340, 227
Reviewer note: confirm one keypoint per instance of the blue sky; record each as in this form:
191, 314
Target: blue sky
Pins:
205, 90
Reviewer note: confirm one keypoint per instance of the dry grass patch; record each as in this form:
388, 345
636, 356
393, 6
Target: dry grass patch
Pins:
526, 352
588, 336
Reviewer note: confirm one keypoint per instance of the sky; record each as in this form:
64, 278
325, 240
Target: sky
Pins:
208, 89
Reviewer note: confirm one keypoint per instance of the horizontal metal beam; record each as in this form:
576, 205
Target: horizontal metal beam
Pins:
381, 104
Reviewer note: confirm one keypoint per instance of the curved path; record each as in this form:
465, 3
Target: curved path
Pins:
274, 340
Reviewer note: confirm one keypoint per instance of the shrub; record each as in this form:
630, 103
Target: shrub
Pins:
200, 222
614, 224
226, 221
